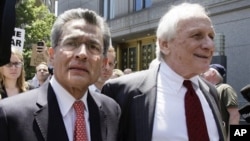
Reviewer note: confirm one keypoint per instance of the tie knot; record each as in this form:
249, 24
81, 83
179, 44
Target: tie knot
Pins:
78, 105
187, 84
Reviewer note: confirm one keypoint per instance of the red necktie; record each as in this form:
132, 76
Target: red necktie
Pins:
196, 125
80, 133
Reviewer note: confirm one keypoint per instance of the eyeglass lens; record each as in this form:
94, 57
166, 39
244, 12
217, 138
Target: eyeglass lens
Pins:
16, 64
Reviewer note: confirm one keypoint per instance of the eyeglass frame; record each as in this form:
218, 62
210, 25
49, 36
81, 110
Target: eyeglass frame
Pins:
70, 44
16, 64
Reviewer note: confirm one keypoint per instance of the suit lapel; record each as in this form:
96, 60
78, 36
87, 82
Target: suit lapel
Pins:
144, 106
41, 115
97, 119
48, 117
213, 105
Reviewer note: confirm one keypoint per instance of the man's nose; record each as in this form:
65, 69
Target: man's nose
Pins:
208, 43
82, 51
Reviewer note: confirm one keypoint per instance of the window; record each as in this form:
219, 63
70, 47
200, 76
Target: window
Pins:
147, 55
148, 3
108, 9
111, 8
219, 41
105, 9
141, 4
129, 58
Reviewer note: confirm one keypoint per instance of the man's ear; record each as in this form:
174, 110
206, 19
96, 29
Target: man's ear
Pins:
213, 73
164, 46
51, 53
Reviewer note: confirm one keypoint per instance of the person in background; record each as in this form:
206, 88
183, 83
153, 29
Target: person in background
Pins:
42, 75
64, 109
156, 102
127, 71
12, 76
106, 72
228, 96
116, 73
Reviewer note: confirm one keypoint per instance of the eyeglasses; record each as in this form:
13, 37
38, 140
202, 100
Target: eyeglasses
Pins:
16, 64
92, 46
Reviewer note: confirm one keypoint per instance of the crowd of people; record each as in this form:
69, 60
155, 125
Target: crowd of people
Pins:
86, 98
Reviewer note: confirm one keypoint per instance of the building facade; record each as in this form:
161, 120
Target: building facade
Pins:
133, 24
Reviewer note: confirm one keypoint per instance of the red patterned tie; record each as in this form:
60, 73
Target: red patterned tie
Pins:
80, 133
196, 125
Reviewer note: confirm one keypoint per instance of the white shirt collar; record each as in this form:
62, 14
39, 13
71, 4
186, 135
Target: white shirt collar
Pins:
94, 89
173, 78
64, 98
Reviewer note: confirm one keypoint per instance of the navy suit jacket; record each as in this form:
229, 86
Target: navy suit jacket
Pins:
136, 95
35, 116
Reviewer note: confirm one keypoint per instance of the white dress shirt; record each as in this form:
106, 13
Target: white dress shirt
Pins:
65, 102
170, 120
94, 89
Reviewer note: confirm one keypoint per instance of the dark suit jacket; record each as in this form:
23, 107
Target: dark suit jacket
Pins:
35, 116
3, 93
136, 94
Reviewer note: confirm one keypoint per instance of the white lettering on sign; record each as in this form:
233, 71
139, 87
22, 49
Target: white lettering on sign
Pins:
240, 132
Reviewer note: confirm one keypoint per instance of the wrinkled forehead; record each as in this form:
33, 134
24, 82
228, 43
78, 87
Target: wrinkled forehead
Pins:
111, 56
196, 23
41, 66
78, 28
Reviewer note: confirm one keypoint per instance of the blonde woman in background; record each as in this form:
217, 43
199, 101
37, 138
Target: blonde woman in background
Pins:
12, 76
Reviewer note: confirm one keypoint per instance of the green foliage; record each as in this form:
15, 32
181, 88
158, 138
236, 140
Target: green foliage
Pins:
37, 22
30, 70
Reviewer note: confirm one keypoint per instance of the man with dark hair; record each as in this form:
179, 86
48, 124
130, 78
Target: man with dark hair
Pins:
64, 109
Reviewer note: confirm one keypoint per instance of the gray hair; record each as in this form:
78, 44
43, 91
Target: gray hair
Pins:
89, 16
168, 23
